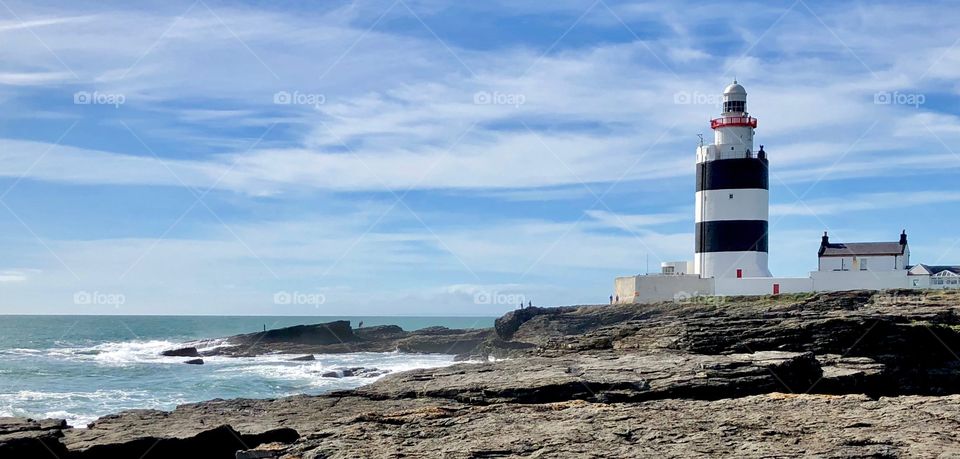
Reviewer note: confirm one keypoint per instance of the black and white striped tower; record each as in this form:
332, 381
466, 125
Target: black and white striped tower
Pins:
733, 196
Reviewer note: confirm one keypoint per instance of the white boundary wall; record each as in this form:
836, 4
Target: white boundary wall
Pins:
651, 288
832, 281
646, 289
763, 285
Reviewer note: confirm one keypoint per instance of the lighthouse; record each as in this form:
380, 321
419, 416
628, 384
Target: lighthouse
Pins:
732, 210
732, 199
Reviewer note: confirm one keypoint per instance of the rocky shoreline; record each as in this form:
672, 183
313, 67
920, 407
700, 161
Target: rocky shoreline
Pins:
849, 374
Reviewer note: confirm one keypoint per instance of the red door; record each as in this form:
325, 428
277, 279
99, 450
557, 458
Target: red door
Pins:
739, 274
776, 289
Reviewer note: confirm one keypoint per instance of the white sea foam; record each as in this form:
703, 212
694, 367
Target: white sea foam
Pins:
119, 353
310, 373
78, 408
20, 351
106, 378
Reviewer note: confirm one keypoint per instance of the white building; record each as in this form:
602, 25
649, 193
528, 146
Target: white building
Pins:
863, 256
731, 213
862, 265
926, 276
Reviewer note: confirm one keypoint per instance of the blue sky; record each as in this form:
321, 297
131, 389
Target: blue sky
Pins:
440, 158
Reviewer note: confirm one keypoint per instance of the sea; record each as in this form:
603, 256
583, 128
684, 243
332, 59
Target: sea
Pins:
79, 368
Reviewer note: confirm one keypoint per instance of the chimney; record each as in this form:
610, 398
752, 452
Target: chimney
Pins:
903, 238
824, 242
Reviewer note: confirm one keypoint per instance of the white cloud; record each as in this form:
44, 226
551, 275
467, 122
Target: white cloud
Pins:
687, 54
864, 202
400, 112
35, 78
635, 222
16, 275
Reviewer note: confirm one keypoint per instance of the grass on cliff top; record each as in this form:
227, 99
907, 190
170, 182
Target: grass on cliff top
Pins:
758, 304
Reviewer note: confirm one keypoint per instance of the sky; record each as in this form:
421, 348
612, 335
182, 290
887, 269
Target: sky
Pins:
421, 157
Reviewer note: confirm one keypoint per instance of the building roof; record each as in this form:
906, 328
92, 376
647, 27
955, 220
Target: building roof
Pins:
933, 269
861, 249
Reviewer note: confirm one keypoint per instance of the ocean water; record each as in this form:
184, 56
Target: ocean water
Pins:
83, 367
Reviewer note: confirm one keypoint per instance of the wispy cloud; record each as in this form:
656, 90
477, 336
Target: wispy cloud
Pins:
16, 275
865, 202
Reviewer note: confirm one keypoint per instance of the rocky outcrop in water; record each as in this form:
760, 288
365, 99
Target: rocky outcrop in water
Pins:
853, 374
359, 372
338, 337
189, 351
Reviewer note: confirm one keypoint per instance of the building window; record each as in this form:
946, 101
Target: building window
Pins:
731, 195
863, 264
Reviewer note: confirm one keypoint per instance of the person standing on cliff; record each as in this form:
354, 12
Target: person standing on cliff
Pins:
611, 299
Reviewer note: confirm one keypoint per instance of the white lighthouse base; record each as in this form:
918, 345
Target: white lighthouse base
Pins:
723, 265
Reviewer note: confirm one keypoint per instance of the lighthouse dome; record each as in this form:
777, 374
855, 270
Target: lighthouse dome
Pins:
734, 88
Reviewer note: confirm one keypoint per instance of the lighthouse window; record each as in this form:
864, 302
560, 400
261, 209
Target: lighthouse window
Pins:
731, 195
733, 106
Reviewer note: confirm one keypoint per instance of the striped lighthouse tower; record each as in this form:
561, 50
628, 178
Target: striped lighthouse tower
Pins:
732, 196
